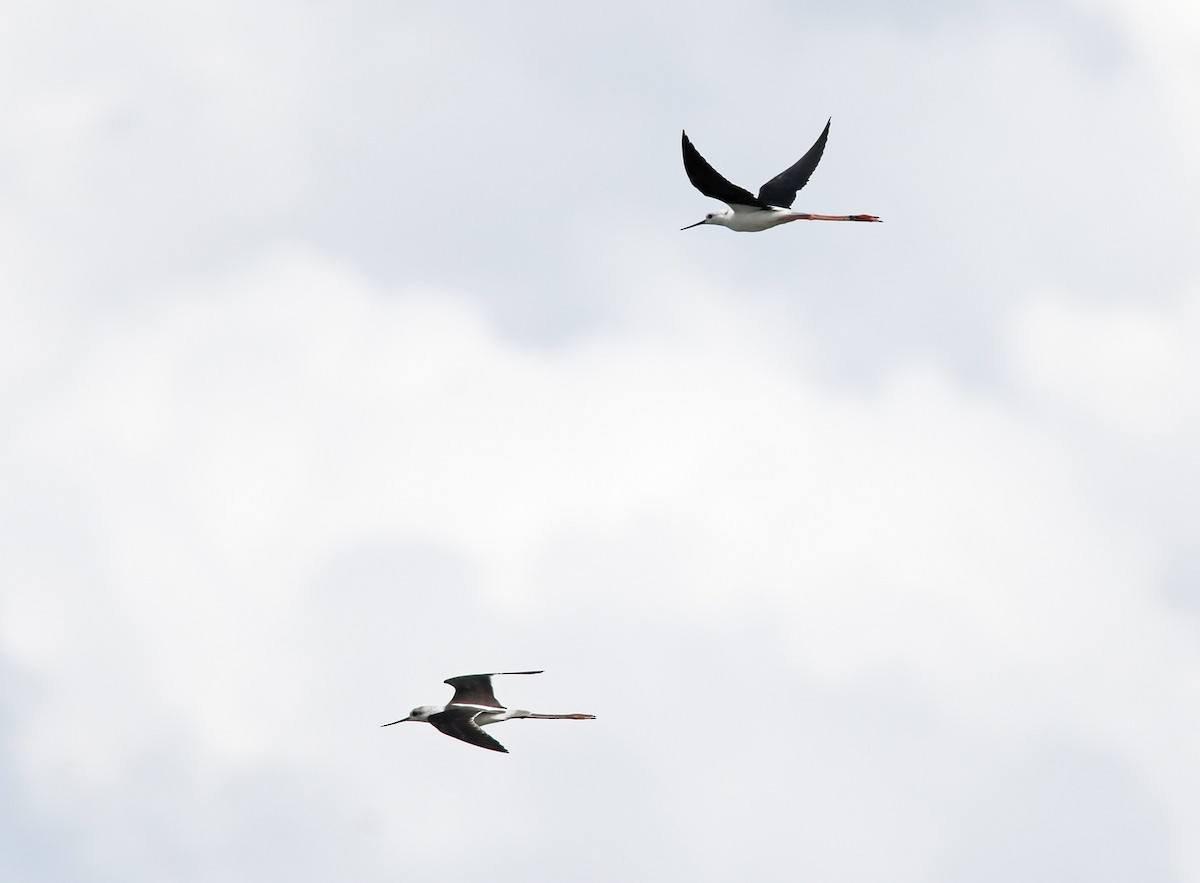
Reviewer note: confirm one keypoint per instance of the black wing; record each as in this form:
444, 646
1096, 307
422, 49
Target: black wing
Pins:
710, 182
781, 190
477, 689
460, 723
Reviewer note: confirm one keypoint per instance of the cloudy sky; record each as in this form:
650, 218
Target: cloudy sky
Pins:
348, 347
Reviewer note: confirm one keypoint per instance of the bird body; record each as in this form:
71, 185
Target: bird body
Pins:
751, 219
772, 206
473, 707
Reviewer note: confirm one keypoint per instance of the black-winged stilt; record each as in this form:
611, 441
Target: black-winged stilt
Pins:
772, 206
474, 706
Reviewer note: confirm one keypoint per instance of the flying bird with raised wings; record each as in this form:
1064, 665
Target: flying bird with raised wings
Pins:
773, 205
473, 707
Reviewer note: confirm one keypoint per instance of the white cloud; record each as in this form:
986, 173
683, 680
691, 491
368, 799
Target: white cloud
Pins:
221, 452
1129, 369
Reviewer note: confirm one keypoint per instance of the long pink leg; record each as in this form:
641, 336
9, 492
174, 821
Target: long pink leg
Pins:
562, 717
808, 217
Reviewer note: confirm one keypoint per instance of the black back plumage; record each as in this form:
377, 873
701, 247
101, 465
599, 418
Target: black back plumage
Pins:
459, 722
779, 191
477, 689
712, 183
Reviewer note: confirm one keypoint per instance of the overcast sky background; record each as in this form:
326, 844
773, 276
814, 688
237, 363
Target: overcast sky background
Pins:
346, 347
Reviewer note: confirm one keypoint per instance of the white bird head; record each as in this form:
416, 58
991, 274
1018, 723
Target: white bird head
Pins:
420, 713
710, 218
